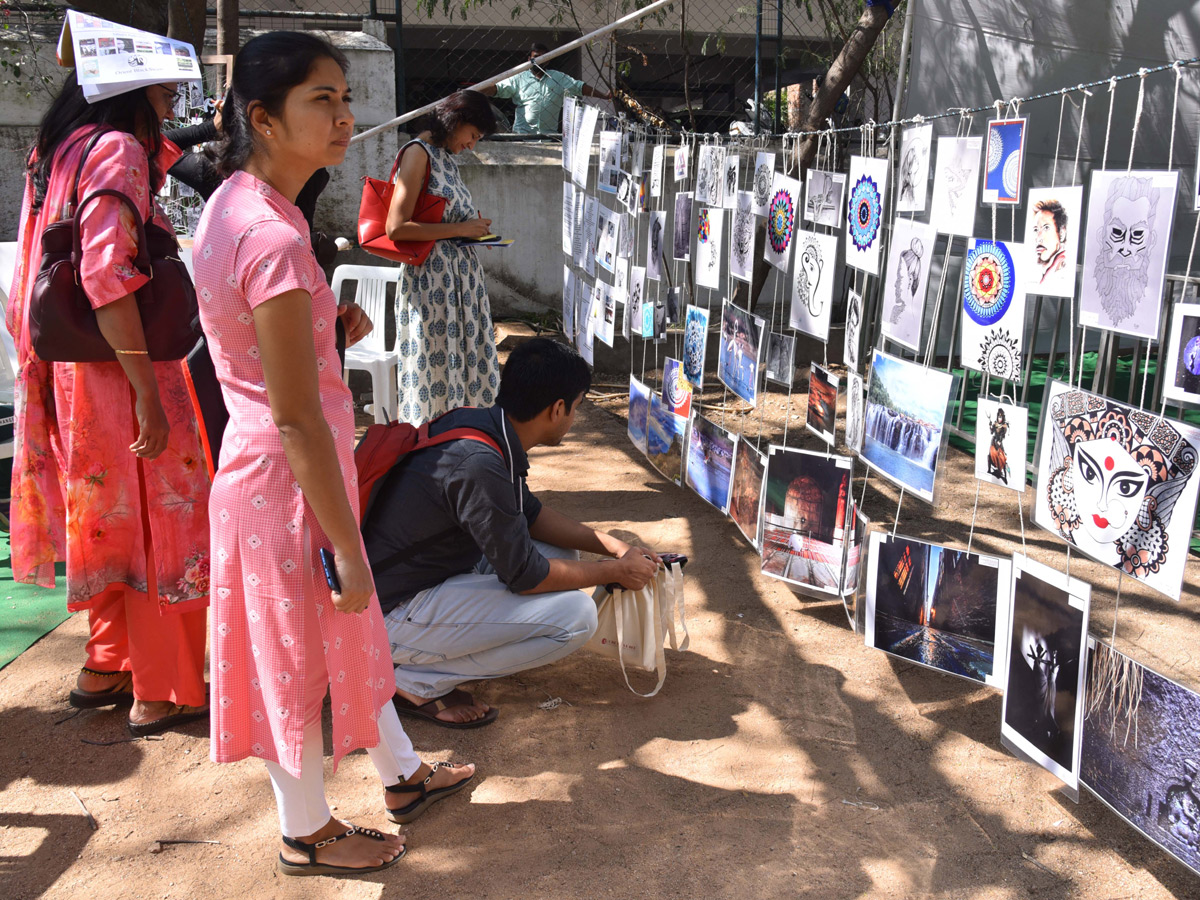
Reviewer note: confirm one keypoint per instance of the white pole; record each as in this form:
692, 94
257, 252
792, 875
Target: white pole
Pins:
517, 70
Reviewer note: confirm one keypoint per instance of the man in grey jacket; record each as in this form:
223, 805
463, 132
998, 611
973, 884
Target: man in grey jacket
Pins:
476, 578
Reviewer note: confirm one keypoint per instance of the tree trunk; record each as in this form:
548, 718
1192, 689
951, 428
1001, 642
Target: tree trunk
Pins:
186, 20
843, 70
183, 20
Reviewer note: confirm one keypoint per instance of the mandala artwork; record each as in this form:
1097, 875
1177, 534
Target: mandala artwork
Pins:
1000, 355
764, 175
1005, 151
994, 309
988, 286
780, 219
864, 213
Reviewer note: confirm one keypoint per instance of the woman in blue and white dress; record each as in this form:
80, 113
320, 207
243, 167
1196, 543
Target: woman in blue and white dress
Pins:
443, 316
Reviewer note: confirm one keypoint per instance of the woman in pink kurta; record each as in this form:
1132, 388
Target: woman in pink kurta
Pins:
132, 526
285, 486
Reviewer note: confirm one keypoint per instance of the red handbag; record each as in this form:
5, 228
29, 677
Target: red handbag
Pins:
373, 212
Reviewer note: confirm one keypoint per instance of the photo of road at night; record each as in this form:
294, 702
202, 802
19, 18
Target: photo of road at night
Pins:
936, 606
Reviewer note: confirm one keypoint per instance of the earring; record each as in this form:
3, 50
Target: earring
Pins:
268, 132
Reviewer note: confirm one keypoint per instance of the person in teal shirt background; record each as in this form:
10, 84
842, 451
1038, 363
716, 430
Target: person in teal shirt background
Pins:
538, 94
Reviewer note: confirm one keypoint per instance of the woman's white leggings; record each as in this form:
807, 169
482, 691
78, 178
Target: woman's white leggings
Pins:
303, 809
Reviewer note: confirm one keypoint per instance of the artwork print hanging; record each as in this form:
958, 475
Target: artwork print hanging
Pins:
941, 608
854, 313
1129, 221
907, 278
1005, 161
813, 274
764, 180
745, 495
823, 198
864, 212
681, 244
709, 461
676, 391
732, 173
1181, 382
655, 238
1042, 710
1001, 436
709, 225
805, 501
993, 308
1118, 483
740, 351
956, 185
854, 412
695, 345
905, 419
1052, 235
913, 173
781, 220
639, 411
741, 239
1139, 758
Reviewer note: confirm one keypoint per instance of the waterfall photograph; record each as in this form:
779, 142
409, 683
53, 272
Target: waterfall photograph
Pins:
905, 416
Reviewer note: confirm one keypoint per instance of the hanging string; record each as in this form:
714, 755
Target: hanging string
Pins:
1174, 112
1112, 96
1021, 507
1079, 136
1187, 278
1137, 117
1117, 608
974, 513
899, 504
1062, 105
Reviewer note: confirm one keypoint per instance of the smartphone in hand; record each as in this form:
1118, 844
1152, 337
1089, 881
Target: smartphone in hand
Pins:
331, 576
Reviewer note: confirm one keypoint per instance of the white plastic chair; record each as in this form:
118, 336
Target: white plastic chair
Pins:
371, 354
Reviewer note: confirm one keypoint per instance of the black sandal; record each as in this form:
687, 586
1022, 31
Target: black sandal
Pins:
427, 798
312, 867
119, 694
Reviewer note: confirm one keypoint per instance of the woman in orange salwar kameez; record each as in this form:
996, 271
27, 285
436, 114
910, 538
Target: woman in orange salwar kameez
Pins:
108, 471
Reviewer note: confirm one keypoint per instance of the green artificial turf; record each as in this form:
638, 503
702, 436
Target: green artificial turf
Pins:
26, 612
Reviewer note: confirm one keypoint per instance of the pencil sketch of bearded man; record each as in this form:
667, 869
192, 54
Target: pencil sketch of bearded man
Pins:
1122, 267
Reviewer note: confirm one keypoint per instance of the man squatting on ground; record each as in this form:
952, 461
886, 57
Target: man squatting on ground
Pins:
476, 577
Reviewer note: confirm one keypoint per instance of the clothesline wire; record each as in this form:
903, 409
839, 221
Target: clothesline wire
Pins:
966, 111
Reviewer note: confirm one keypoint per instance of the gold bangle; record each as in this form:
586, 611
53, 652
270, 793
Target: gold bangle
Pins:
134, 352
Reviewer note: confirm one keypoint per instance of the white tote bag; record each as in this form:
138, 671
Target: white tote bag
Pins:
635, 624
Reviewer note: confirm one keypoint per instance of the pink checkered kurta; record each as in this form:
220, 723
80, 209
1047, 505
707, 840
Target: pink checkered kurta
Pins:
252, 245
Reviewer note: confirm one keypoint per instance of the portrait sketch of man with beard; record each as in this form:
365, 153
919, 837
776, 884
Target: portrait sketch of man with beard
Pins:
1129, 223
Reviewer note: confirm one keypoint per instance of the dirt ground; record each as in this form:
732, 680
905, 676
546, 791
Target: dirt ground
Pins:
781, 759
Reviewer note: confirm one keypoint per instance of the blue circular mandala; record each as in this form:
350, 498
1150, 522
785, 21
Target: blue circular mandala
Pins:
865, 212
988, 282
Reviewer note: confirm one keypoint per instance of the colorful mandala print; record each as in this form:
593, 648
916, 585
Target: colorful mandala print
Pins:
987, 282
780, 217
704, 228
865, 212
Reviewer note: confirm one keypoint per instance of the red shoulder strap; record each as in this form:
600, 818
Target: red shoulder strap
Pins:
454, 434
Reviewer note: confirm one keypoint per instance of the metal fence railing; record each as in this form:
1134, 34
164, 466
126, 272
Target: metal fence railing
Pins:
694, 65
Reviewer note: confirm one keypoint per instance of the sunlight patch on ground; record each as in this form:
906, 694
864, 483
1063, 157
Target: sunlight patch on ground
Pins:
548, 787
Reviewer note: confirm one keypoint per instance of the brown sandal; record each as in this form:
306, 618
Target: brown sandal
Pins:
428, 711
179, 716
119, 694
